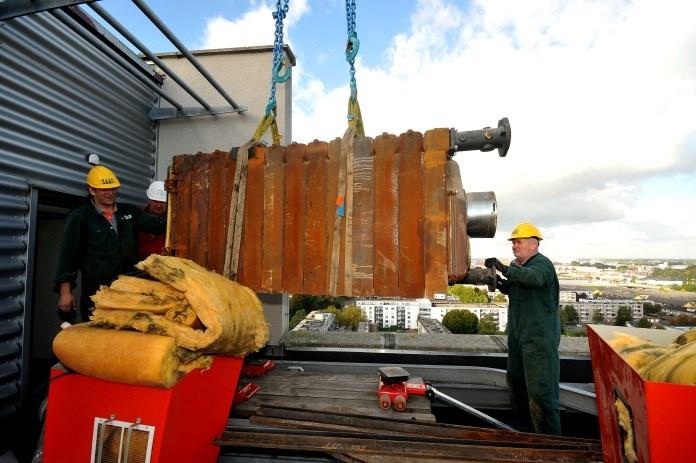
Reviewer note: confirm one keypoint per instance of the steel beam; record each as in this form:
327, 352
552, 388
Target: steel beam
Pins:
15, 8
141, 46
68, 21
99, 31
158, 114
180, 46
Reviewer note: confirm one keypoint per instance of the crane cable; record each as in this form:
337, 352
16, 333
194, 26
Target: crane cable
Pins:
278, 76
343, 223
235, 221
352, 47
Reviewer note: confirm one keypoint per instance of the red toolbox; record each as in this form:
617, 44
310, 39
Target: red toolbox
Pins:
88, 418
660, 412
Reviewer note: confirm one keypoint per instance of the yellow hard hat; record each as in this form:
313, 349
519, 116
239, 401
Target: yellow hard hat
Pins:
525, 230
102, 177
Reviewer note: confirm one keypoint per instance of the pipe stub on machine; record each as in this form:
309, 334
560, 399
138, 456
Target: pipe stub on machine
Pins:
481, 214
485, 139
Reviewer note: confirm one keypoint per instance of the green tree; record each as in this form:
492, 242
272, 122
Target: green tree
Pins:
332, 309
297, 318
569, 315
598, 316
309, 303
487, 325
623, 316
467, 293
460, 321
644, 323
350, 317
650, 308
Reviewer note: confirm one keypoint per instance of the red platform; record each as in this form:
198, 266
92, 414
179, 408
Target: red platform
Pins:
186, 417
660, 412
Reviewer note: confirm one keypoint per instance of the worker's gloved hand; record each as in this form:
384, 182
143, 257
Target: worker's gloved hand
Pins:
494, 262
502, 285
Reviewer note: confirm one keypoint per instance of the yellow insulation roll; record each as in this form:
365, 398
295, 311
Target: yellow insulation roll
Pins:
124, 356
677, 366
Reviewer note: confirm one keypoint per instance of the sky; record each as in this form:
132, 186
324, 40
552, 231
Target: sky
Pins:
601, 97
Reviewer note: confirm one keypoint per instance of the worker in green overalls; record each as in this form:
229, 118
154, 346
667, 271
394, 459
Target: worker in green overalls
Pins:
534, 332
99, 240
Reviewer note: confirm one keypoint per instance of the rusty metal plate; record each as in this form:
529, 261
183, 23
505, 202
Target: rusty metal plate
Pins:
402, 232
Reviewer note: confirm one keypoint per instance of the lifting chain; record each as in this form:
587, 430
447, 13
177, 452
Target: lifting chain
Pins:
278, 76
352, 46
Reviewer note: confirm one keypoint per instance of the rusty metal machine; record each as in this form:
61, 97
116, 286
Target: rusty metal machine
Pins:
403, 226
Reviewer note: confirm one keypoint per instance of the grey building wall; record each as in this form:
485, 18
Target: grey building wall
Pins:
60, 99
245, 73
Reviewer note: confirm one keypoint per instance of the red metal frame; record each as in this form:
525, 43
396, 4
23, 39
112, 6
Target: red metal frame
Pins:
245, 393
257, 368
660, 412
186, 417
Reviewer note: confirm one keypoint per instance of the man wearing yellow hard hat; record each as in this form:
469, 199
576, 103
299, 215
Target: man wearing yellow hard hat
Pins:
99, 240
534, 332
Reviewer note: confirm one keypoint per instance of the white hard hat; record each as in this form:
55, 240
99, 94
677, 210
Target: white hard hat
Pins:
156, 191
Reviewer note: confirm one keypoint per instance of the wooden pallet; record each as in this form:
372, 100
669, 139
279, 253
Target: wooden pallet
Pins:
327, 392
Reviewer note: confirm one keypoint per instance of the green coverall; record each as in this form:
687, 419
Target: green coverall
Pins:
90, 244
534, 332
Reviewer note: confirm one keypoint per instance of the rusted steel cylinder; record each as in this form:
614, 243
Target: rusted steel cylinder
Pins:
481, 214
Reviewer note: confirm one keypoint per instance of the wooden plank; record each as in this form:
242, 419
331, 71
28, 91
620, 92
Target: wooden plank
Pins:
181, 205
436, 146
386, 233
363, 218
293, 250
251, 259
315, 251
280, 383
348, 146
290, 375
274, 213
397, 445
411, 266
368, 397
332, 168
387, 428
330, 405
233, 241
296, 391
405, 426
415, 403
198, 215
337, 265
218, 211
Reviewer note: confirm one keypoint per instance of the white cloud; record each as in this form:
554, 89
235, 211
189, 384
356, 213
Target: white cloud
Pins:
255, 27
600, 96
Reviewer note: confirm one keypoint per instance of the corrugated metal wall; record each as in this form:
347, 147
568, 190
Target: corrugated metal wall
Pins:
60, 99
14, 226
